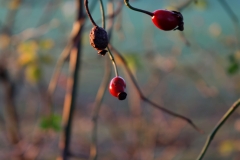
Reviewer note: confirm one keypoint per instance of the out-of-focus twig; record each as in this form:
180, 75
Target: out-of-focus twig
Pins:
11, 118
97, 107
71, 93
183, 5
217, 127
146, 99
100, 94
234, 19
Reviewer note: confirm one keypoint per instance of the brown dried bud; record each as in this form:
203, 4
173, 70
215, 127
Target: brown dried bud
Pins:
98, 38
102, 52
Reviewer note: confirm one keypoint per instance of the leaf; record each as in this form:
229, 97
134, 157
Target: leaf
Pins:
30, 47
233, 68
133, 61
26, 58
201, 4
33, 73
226, 147
46, 44
51, 122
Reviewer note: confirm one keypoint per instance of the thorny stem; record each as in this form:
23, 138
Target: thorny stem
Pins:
88, 12
189, 121
136, 9
217, 127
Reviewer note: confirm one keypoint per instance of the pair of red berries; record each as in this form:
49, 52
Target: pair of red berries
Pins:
168, 20
117, 88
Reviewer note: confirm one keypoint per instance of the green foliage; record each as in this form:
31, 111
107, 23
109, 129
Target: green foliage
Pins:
51, 122
201, 4
31, 57
133, 61
234, 66
33, 73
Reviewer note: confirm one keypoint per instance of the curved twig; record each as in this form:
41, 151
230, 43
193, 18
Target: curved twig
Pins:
136, 9
88, 12
217, 127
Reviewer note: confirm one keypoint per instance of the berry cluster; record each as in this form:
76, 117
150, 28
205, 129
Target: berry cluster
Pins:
163, 19
99, 41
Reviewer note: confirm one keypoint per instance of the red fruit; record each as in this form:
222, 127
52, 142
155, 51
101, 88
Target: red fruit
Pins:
117, 88
168, 20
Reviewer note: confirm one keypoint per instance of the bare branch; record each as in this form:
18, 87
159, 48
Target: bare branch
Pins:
146, 99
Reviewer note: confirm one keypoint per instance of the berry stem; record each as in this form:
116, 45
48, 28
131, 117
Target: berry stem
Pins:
109, 51
88, 13
102, 13
136, 9
113, 61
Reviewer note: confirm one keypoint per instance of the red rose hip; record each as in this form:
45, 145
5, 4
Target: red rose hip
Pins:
168, 20
117, 88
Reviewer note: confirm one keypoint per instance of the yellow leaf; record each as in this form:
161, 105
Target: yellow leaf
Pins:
26, 58
226, 148
46, 44
33, 73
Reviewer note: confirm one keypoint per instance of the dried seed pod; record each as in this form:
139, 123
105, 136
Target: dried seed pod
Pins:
98, 38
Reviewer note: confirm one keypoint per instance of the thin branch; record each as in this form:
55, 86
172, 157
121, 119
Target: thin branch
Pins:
113, 61
217, 127
71, 93
11, 118
146, 99
136, 9
57, 69
234, 19
88, 12
110, 9
102, 13
229, 11
111, 15
98, 101
97, 107
184, 5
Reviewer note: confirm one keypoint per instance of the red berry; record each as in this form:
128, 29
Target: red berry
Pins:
117, 88
168, 20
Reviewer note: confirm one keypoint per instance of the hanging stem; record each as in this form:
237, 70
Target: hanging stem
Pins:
217, 127
113, 61
109, 51
88, 12
102, 13
136, 9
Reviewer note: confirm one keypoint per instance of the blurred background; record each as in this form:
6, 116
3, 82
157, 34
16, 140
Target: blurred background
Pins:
194, 73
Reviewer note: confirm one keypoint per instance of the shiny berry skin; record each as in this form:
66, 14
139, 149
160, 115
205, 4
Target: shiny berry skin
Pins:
117, 88
168, 20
